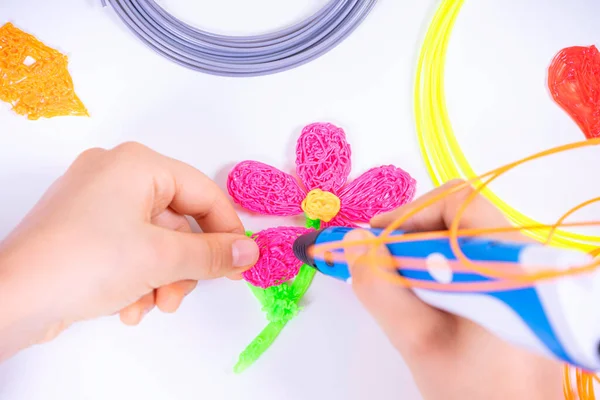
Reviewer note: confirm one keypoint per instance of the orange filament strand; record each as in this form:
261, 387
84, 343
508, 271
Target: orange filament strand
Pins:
319, 250
567, 215
501, 274
520, 281
567, 385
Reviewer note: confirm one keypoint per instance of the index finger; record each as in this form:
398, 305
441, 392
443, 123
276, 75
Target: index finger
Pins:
184, 189
201, 198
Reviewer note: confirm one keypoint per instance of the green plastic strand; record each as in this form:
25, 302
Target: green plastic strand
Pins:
281, 304
303, 281
258, 346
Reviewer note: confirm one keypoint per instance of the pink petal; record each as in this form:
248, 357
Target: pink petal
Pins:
277, 263
323, 157
377, 190
266, 190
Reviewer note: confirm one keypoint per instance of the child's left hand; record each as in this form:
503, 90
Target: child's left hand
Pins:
111, 236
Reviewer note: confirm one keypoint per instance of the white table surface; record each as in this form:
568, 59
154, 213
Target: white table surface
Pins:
500, 109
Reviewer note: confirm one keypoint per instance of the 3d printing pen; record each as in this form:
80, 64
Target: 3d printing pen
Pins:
558, 318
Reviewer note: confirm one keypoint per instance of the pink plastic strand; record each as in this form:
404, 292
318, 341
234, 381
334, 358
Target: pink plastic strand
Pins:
323, 157
378, 190
277, 263
264, 189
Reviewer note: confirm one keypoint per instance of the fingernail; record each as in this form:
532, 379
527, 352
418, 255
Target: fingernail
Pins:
245, 252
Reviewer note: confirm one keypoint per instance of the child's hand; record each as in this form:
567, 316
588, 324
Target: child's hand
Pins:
450, 357
111, 236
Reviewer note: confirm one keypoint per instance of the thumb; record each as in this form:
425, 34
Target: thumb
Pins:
410, 324
202, 256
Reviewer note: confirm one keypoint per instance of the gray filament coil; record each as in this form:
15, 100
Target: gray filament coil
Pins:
241, 56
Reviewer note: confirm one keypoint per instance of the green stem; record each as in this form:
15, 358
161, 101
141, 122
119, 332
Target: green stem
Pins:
268, 335
303, 281
258, 346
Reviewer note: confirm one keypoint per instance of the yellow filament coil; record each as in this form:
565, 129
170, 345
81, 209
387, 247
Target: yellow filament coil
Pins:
442, 153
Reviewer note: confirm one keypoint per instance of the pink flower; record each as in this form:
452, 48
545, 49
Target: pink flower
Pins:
323, 166
323, 192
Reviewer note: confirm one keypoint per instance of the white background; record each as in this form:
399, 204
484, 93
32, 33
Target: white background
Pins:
500, 109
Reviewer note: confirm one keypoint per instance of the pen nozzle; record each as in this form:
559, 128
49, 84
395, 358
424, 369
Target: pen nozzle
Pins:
302, 246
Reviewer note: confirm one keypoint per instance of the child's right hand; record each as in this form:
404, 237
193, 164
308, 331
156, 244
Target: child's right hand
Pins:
451, 357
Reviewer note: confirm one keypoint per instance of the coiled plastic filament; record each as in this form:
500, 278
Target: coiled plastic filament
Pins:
241, 56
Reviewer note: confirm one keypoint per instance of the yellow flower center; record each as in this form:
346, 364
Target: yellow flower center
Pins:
321, 205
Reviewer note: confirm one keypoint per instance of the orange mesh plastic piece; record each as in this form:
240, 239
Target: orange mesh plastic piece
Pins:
34, 78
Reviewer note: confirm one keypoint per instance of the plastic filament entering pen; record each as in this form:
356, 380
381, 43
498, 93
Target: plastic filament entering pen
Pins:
505, 278
241, 56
